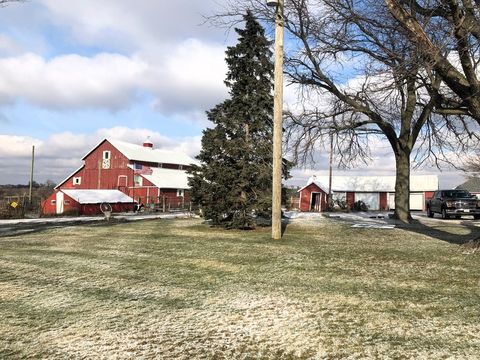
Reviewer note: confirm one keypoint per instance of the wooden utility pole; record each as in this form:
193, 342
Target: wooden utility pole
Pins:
277, 122
31, 176
330, 171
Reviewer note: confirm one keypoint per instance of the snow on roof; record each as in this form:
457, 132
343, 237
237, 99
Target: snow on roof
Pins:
98, 196
472, 185
373, 183
142, 153
168, 178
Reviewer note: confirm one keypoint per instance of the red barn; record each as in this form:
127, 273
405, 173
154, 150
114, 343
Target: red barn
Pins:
313, 198
86, 202
153, 177
377, 192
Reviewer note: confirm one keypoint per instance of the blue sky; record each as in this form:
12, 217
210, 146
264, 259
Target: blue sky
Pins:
73, 72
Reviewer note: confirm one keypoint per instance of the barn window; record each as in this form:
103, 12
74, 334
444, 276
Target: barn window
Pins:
160, 165
122, 180
52, 202
106, 155
66, 202
138, 180
77, 180
138, 166
180, 192
180, 167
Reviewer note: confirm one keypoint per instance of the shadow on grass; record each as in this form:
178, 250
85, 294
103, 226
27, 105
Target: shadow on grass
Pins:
20, 229
285, 222
452, 232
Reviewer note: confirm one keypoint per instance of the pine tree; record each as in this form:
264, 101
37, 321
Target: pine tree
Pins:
233, 182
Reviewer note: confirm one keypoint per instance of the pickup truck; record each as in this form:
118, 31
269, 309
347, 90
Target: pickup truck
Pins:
456, 203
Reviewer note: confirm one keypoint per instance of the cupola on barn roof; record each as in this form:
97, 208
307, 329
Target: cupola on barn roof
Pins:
147, 143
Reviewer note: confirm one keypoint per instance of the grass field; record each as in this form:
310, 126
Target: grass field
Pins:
178, 289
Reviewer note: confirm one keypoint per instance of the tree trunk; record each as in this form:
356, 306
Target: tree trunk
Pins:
402, 186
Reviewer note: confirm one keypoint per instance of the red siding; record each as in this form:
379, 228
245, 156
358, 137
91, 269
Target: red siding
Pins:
71, 207
94, 209
47, 207
428, 195
94, 176
350, 199
149, 195
383, 201
306, 198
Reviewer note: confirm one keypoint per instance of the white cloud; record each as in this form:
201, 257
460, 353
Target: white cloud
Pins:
16, 146
142, 24
156, 47
190, 77
71, 81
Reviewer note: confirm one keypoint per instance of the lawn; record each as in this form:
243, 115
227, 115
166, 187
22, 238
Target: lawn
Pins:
178, 289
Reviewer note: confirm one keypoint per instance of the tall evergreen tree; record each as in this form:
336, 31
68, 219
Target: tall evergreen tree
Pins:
233, 181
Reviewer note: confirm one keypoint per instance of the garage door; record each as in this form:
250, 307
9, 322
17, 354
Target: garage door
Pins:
416, 201
391, 201
372, 200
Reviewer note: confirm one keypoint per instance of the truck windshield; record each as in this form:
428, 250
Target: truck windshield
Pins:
457, 194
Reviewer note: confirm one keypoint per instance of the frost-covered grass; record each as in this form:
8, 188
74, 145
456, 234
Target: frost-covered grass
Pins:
181, 290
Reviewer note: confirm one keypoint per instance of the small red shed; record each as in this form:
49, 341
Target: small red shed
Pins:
313, 198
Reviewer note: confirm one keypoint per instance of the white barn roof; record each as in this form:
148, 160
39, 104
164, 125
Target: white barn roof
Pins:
97, 196
146, 154
373, 183
168, 178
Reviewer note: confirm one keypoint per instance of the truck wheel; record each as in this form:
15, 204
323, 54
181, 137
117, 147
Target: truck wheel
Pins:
430, 213
444, 214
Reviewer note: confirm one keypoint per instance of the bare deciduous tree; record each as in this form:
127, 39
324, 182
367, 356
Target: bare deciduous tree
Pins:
389, 99
472, 165
384, 90
5, 2
455, 55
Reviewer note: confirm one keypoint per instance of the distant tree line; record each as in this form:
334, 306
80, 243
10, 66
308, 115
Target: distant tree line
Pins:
39, 190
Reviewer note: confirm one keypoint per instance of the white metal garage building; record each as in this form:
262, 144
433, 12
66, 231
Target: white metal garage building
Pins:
377, 192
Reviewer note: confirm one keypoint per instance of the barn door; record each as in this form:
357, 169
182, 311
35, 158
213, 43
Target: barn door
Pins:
59, 202
316, 202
